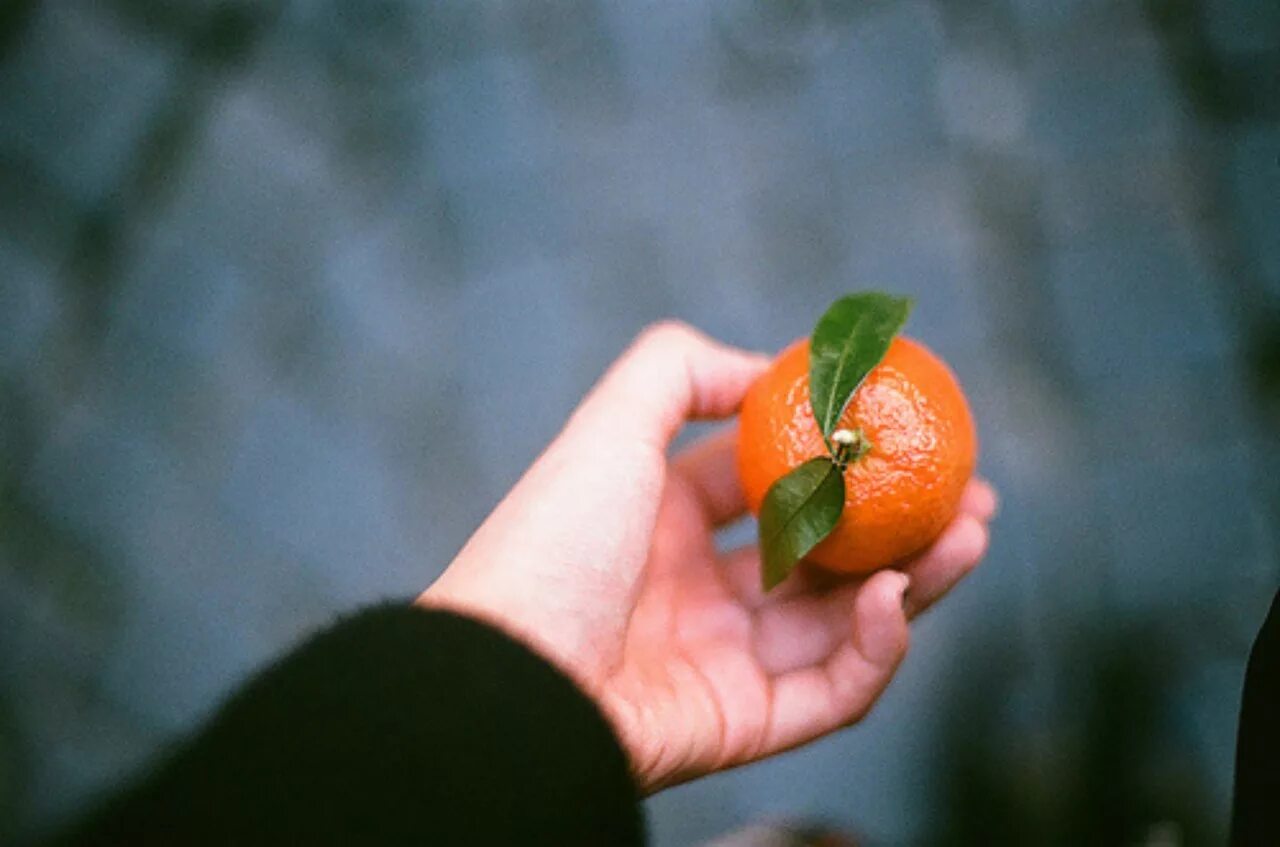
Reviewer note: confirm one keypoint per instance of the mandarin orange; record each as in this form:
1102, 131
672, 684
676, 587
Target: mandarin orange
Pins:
899, 494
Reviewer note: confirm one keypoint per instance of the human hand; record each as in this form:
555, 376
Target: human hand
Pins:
603, 558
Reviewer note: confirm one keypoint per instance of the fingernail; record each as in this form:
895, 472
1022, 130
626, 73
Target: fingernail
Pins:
904, 582
904, 596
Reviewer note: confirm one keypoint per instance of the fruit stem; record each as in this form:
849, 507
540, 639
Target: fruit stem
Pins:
849, 446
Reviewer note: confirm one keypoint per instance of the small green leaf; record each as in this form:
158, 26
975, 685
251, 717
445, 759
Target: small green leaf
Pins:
849, 340
799, 510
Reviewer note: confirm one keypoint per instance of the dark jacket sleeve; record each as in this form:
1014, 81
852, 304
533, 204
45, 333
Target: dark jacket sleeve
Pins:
395, 726
1255, 814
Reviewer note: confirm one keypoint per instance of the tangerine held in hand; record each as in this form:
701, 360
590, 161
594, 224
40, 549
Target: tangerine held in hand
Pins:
902, 490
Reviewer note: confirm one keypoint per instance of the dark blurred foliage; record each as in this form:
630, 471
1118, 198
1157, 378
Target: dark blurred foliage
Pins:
13, 770
1102, 760
1234, 90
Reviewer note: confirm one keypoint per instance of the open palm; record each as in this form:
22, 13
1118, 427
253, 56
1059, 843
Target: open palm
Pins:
604, 558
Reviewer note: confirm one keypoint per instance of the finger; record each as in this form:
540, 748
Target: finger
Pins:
670, 374
710, 468
816, 700
879, 626
980, 499
802, 631
937, 570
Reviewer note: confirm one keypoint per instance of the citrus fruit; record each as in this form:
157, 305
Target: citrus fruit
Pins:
900, 492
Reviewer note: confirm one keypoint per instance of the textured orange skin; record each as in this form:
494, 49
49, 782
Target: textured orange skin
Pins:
901, 494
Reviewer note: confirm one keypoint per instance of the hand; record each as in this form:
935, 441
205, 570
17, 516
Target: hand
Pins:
603, 558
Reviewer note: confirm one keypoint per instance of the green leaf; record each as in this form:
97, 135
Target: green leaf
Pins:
799, 510
849, 340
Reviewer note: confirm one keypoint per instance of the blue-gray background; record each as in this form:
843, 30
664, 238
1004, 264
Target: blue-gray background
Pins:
290, 293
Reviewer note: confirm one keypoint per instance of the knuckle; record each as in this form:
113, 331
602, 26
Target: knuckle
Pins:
666, 334
858, 712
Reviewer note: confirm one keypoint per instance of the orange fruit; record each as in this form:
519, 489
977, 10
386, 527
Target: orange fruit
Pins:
905, 489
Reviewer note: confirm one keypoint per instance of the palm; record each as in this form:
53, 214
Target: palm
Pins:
713, 673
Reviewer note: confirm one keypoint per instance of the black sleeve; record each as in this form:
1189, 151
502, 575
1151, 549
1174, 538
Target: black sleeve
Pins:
1255, 814
395, 726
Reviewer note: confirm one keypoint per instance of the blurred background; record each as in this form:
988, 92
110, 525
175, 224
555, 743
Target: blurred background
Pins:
290, 292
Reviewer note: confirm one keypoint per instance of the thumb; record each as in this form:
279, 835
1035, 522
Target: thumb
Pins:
595, 491
561, 555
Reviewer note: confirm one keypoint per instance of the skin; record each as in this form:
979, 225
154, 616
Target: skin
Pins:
603, 558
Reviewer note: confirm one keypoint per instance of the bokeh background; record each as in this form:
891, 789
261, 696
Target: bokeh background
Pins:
290, 292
